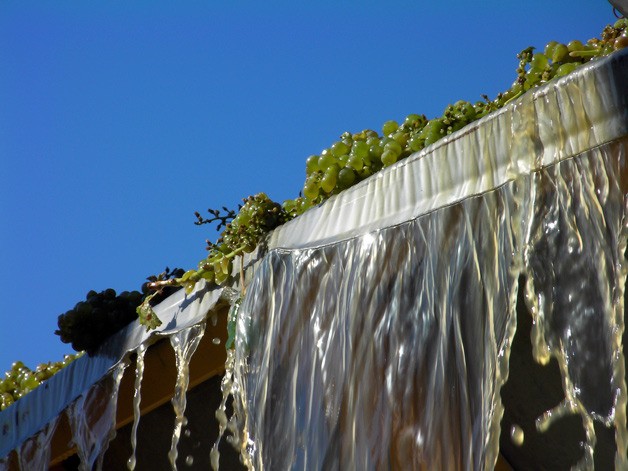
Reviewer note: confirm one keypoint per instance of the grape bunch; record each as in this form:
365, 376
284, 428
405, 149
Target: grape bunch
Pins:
256, 217
90, 322
20, 380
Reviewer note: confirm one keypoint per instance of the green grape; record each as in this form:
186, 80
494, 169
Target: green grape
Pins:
389, 157
221, 277
188, 275
575, 45
539, 61
216, 266
290, 207
208, 275
371, 134
414, 121
355, 162
339, 148
560, 53
326, 160
514, 92
621, 23
303, 204
244, 218
433, 131
10, 381
401, 138
328, 182
549, 48
455, 126
621, 42
28, 381
224, 248
375, 150
389, 127
225, 265
347, 139
566, 69
607, 49
367, 159
346, 177
464, 111
587, 52
358, 136
311, 164
41, 376
342, 160
360, 149
310, 190
416, 143
394, 147
373, 140
6, 400
366, 172
533, 77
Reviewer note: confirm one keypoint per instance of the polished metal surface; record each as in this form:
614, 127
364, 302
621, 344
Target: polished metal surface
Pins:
620, 5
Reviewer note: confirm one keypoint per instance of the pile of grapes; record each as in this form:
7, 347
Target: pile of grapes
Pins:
20, 379
351, 159
357, 156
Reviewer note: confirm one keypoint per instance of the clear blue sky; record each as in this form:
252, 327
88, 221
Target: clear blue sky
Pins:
118, 120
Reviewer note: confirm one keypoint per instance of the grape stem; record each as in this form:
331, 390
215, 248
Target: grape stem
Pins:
584, 54
159, 284
517, 95
237, 251
242, 276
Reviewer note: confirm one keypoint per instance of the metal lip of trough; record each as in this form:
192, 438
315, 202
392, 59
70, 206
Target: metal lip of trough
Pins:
565, 117
621, 5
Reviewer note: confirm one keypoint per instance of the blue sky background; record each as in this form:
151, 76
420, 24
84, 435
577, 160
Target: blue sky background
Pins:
118, 120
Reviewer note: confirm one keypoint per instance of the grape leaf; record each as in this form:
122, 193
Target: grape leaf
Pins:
147, 315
